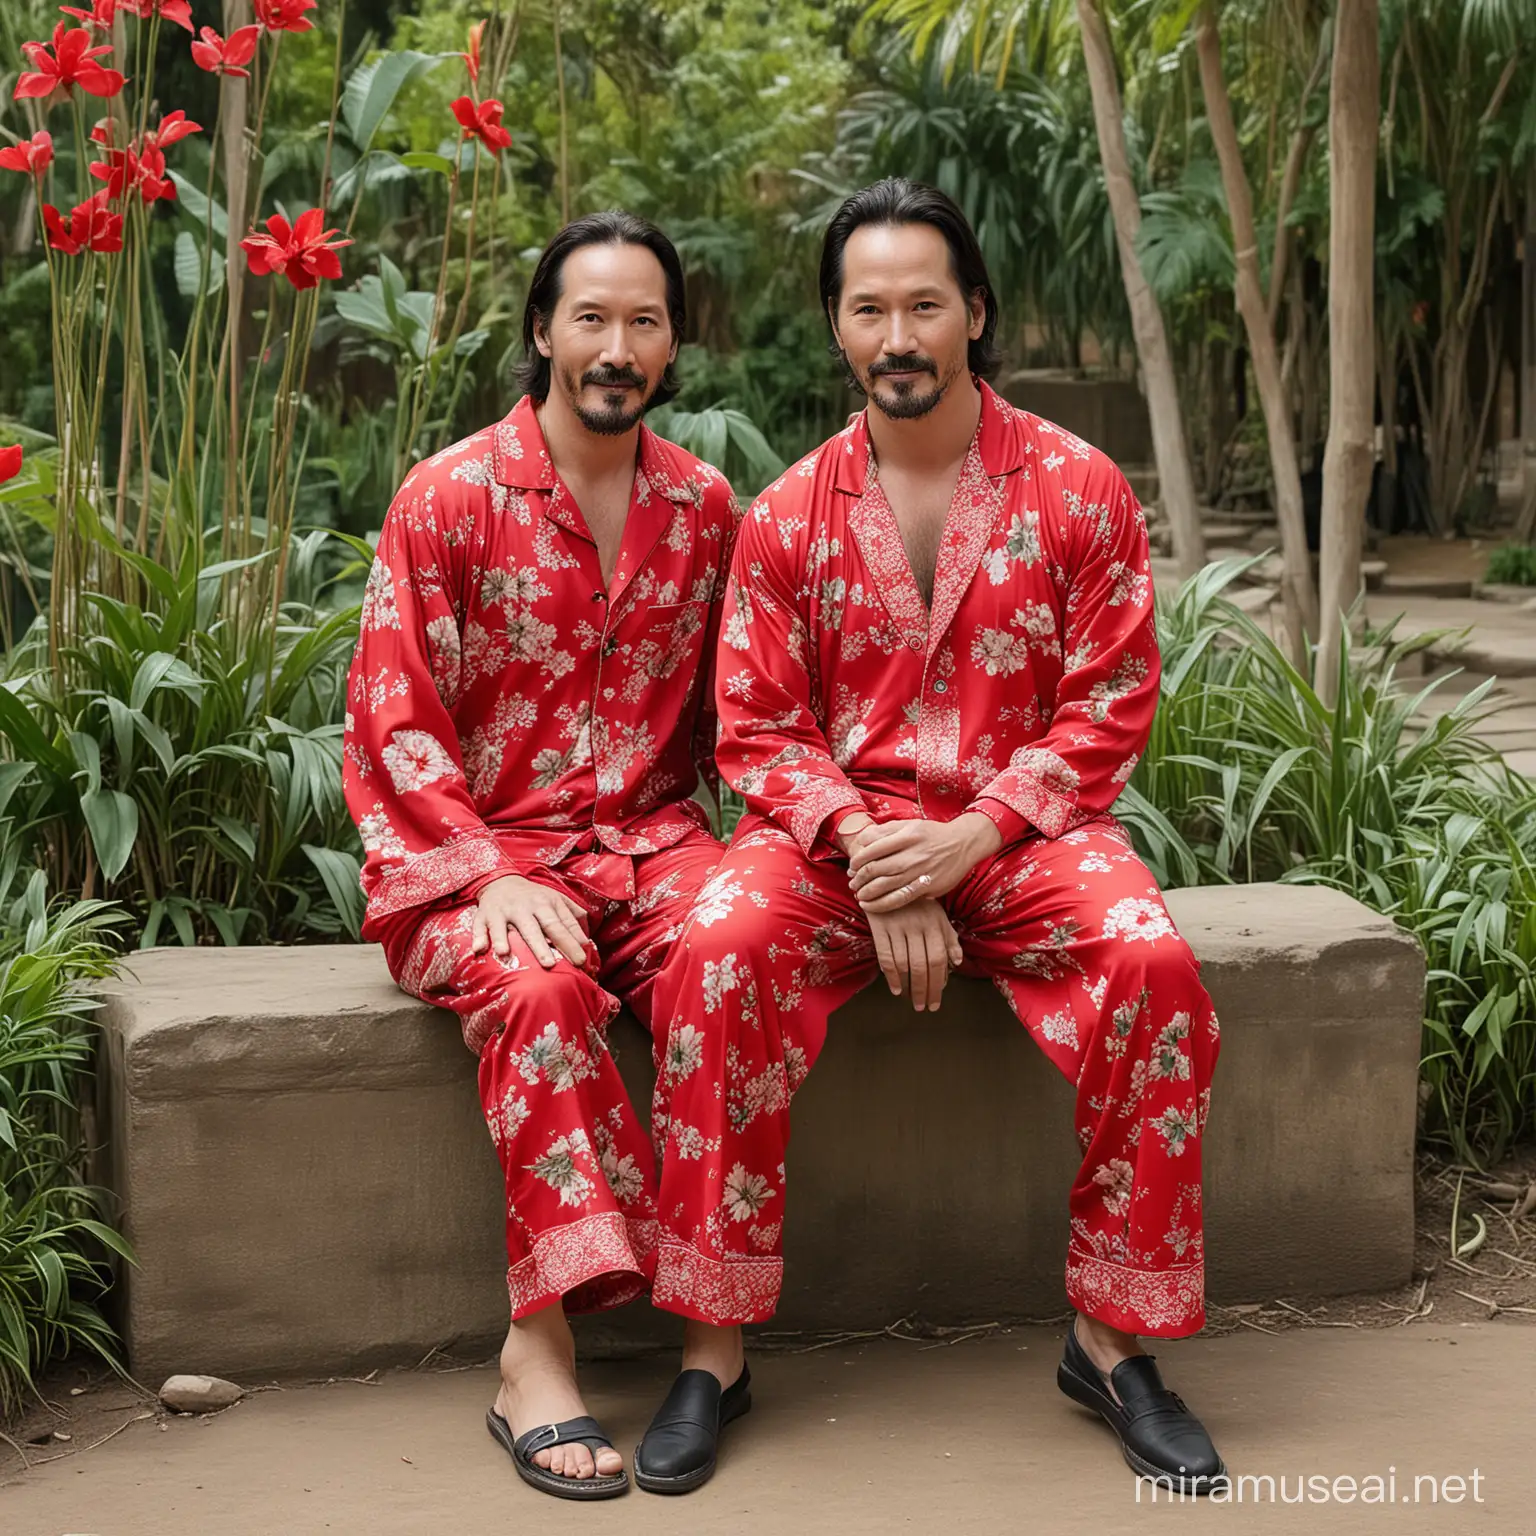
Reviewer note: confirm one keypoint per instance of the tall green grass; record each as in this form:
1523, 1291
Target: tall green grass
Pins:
1249, 775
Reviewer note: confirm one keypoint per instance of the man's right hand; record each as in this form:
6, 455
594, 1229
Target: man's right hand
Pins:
917, 948
548, 921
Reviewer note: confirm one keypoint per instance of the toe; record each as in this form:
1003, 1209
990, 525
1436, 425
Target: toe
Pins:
580, 1462
609, 1463
545, 1459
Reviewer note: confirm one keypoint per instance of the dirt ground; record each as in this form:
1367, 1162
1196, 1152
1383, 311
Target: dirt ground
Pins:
1434, 1378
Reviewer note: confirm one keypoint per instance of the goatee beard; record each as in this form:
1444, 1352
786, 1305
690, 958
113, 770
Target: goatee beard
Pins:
615, 417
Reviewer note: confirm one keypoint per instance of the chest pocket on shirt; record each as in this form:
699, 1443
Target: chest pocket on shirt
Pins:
668, 636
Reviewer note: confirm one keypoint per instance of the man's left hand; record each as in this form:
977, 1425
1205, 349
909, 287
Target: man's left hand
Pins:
913, 859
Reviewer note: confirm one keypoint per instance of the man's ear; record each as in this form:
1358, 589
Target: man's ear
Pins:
978, 308
541, 336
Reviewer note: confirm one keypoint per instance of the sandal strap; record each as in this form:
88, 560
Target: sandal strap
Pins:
583, 1431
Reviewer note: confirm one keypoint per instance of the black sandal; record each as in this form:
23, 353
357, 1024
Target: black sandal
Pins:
583, 1431
677, 1454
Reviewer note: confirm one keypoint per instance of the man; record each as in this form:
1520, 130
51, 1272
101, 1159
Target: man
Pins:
528, 711
938, 668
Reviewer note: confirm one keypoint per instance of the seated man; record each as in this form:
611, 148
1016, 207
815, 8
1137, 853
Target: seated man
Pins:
938, 668
528, 710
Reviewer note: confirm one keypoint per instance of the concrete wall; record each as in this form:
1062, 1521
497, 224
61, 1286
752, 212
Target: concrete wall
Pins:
1109, 413
310, 1187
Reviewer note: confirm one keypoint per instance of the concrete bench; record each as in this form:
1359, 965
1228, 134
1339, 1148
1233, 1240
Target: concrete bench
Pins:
309, 1185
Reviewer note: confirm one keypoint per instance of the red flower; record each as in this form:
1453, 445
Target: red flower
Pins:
92, 227
71, 62
101, 14
472, 58
173, 128
284, 15
179, 11
31, 157
303, 252
220, 56
10, 463
483, 121
125, 171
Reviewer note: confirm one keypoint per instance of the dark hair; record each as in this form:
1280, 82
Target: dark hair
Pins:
899, 201
612, 227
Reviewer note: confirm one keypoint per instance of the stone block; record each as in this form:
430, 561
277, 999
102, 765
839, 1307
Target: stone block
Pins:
309, 1186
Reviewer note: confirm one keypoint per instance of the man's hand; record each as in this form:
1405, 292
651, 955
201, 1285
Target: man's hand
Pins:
548, 921
917, 948
907, 861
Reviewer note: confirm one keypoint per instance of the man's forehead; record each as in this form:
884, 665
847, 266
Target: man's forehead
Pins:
613, 276
910, 256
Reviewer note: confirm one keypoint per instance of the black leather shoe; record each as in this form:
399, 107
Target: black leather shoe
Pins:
677, 1454
1159, 1436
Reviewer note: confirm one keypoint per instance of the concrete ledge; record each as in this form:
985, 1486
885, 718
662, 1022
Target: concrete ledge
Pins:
309, 1185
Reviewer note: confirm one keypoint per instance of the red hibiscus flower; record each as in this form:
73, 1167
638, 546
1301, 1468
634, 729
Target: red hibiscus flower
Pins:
92, 226
101, 14
10, 463
472, 58
70, 62
303, 252
179, 11
31, 157
220, 56
284, 15
482, 121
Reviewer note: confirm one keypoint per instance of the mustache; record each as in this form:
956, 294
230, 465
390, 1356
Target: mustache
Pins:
614, 376
911, 362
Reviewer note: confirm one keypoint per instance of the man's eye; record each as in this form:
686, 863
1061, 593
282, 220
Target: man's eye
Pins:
644, 320
926, 304
865, 309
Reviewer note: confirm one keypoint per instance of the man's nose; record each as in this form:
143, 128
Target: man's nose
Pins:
898, 337
618, 348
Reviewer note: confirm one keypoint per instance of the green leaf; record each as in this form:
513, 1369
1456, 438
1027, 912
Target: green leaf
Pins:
199, 207
113, 821
189, 268
425, 160
371, 90
339, 871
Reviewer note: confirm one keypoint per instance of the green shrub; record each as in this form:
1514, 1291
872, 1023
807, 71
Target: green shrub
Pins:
1512, 564
54, 1244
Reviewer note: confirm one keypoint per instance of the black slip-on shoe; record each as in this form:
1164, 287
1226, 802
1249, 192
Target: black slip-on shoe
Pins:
584, 1431
1159, 1437
678, 1451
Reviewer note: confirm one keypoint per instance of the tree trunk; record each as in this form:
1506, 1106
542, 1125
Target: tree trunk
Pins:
1353, 101
1170, 446
1297, 590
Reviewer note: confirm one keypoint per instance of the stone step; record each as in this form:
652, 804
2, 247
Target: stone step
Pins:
1427, 586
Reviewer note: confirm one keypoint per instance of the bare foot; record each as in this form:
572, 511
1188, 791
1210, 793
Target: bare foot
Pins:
538, 1386
718, 1350
1105, 1346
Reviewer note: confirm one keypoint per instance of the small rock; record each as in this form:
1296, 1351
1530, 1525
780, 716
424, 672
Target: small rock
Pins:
199, 1394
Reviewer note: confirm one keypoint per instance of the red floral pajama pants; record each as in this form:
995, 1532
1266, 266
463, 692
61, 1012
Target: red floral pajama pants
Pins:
579, 1169
1074, 933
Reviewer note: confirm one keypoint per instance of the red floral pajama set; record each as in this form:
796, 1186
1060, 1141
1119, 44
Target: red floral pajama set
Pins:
508, 715
1026, 693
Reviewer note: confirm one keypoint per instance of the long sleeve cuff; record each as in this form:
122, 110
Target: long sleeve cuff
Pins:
1010, 825
811, 819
